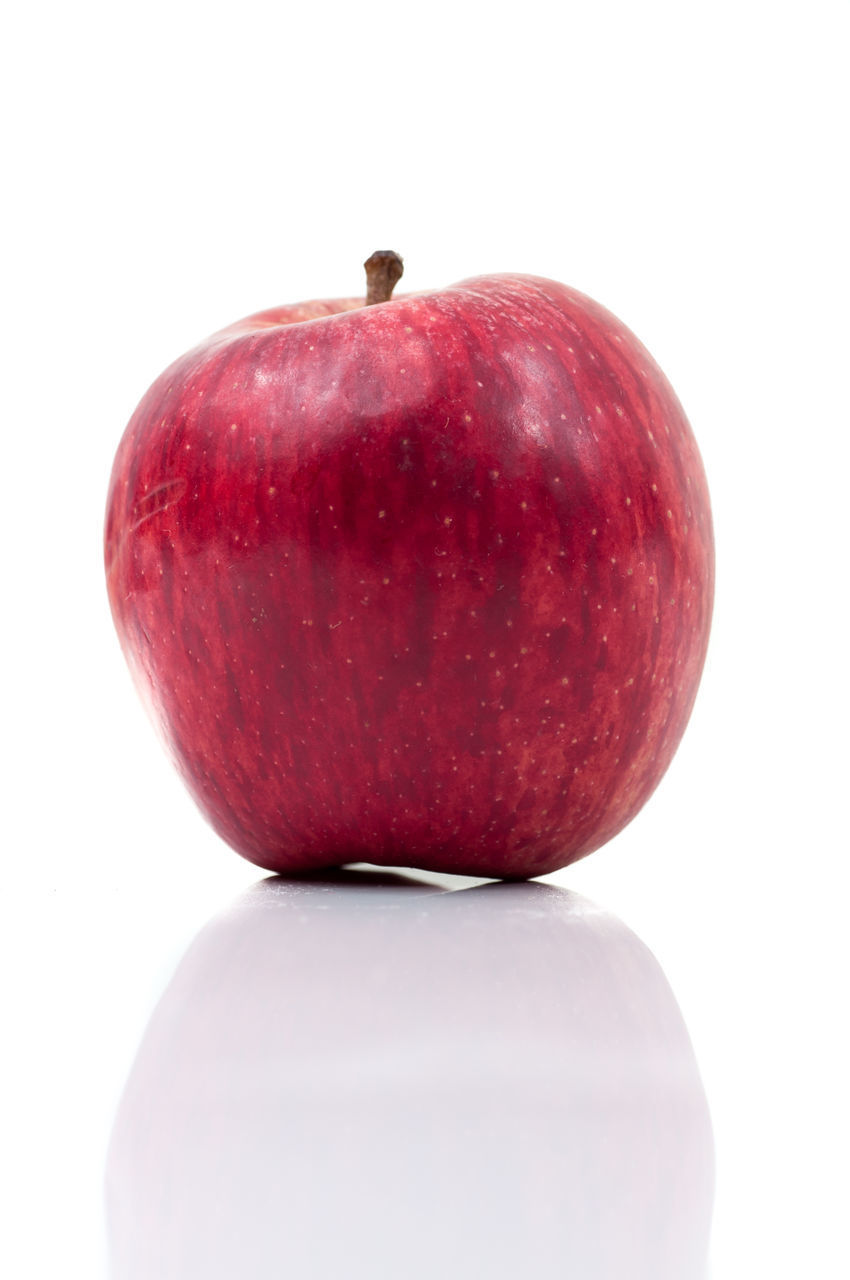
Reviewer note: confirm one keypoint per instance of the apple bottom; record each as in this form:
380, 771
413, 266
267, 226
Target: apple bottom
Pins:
510, 810
405, 846
503, 723
497, 844
504, 753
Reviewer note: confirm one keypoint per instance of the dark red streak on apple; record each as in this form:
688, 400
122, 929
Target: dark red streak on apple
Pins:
427, 582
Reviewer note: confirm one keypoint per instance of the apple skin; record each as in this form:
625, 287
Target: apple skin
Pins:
423, 583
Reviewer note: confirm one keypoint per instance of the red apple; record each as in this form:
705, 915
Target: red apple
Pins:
424, 582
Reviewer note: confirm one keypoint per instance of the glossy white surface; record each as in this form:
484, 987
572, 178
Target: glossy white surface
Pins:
375, 1076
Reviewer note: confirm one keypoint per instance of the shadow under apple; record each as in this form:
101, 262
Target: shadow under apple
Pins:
364, 1074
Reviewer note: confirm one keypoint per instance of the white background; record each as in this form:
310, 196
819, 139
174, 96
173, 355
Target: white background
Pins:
171, 167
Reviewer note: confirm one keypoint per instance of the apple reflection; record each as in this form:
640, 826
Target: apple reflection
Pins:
371, 1076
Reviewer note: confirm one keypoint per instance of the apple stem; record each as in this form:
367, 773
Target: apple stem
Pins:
383, 272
